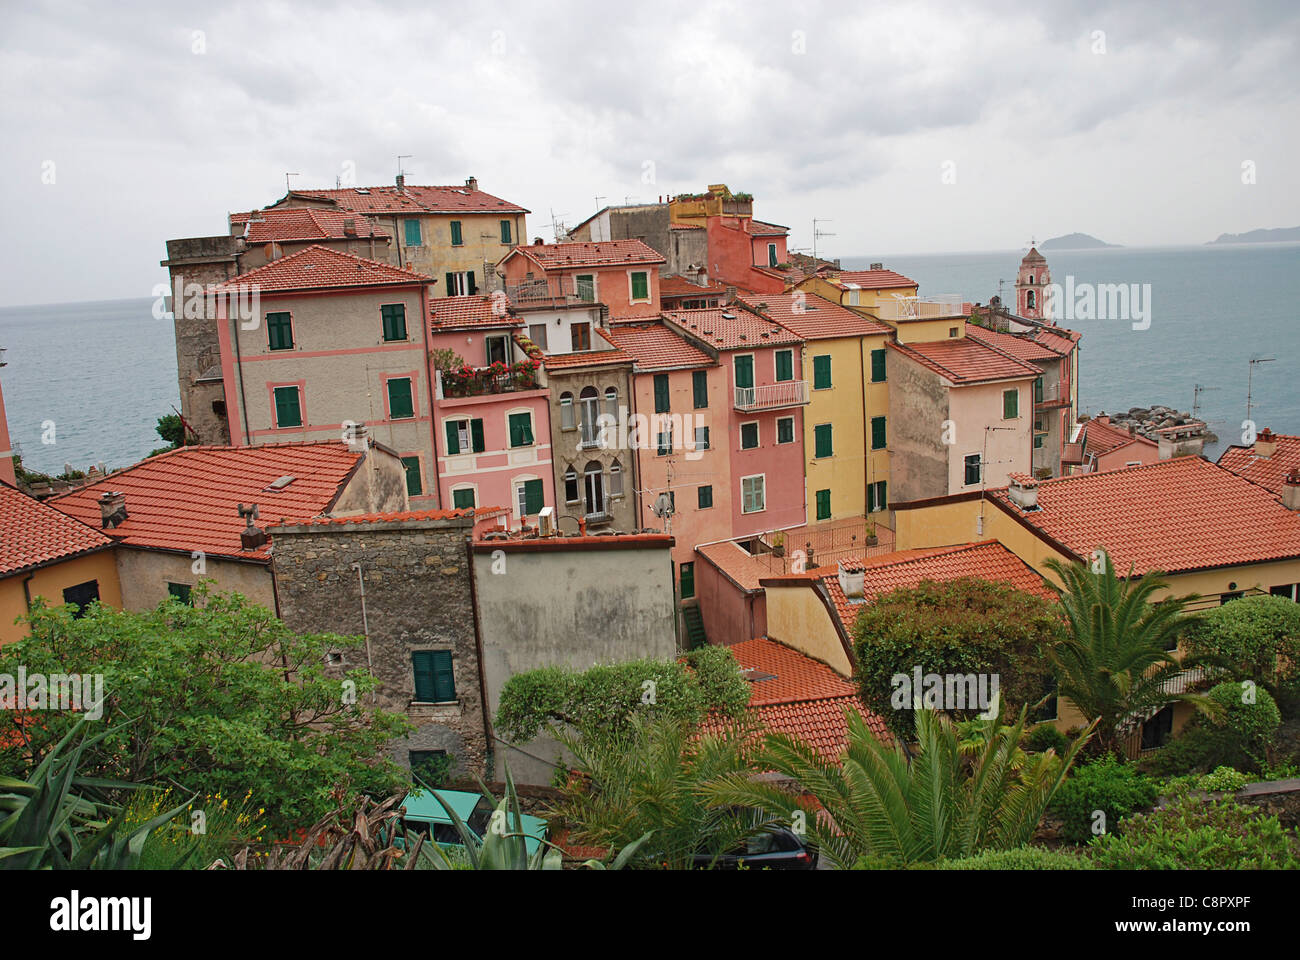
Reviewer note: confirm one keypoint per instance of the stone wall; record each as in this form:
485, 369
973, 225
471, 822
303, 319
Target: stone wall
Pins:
418, 596
918, 406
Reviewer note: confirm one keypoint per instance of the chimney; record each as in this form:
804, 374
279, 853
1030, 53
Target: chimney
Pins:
350, 227
112, 508
401, 181
538, 241
1265, 443
851, 581
582, 526
471, 183
731, 294
251, 537
1291, 491
1023, 491
874, 266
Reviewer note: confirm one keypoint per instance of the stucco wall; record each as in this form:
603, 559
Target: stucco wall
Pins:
144, 575
730, 615
918, 406
49, 582
797, 617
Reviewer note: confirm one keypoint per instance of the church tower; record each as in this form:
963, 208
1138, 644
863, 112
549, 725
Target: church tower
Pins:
1031, 286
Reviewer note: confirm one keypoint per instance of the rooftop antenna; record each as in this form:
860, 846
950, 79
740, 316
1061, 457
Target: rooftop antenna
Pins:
559, 231
287, 188
1197, 390
1249, 380
400, 158
1032, 243
819, 233
598, 199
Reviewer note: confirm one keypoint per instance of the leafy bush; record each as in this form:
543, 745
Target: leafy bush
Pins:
1046, 737
1256, 637
1239, 737
1194, 834
1109, 785
193, 843
1222, 780
1020, 858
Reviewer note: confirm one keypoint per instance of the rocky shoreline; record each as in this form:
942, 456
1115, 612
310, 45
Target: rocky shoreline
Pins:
1146, 421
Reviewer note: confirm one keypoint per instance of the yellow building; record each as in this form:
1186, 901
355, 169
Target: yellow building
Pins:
45, 554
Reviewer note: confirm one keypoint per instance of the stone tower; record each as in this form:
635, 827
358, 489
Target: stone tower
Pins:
1031, 285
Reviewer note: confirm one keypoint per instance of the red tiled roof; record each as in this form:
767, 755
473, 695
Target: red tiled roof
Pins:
656, 347
601, 253
1174, 515
320, 267
674, 287
760, 228
965, 360
186, 499
303, 223
414, 199
1268, 473
732, 328
398, 516
589, 358
477, 311
33, 534
684, 226
872, 279
817, 318
1100, 436
1021, 347
796, 675
563, 542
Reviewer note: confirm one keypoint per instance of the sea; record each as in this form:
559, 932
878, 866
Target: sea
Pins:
85, 383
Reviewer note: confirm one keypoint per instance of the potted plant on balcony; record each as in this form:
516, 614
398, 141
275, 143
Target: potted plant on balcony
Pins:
778, 544
872, 539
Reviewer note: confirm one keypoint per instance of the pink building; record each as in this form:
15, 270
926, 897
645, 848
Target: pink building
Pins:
621, 274
491, 417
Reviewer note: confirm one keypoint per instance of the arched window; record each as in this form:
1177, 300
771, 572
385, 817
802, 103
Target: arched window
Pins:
1031, 279
566, 411
589, 402
616, 479
611, 402
1029, 300
570, 485
594, 483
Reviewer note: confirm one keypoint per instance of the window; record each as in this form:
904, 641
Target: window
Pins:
640, 286
288, 409
456, 238
182, 592
498, 349
400, 404
571, 486
1226, 598
616, 479
748, 436
521, 429
785, 430
434, 680
688, 580
584, 285
1029, 299
784, 365
855, 298
412, 228
771, 254
393, 318
566, 412
530, 497
1285, 590
701, 438
463, 499
580, 333
461, 284
81, 596
506, 235
752, 494
665, 441
595, 488
1157, 730
876, 499
972, 469
878, 365
823, 504
822, 440
413, 485
1038, 441
661, 393
877, 433
429, 766
744, 367
590, 403
611, 403
952, 332
700, 389
822, 372
537, 334
1038, 389
279, 331
704, 497
1010, 404
464, 435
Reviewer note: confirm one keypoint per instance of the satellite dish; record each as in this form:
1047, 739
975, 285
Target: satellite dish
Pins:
663, 506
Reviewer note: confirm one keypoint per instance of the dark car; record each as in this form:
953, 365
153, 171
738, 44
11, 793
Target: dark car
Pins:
776, 848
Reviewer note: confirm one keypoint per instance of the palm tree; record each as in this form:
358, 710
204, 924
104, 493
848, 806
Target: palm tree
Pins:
1116, 662
877, 801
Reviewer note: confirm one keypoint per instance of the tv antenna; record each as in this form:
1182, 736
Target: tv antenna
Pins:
558, 230
819, 233
1197, 390
1250, 378
598, 199
400, 158
287, 188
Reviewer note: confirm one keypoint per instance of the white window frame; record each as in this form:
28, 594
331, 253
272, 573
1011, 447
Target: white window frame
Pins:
758, 430
978, 479
532, 426
649, 288
518, 484
793, 435
762, 477
776, 370
577, 484
546, 334
489, 339
461, 280
568, 412
615, 470
464, 438
595, 286
473, 487
573, 325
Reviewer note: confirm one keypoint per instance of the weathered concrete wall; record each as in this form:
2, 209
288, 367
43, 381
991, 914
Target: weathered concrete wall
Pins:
144, 575
918, 406
417, 597
377, 486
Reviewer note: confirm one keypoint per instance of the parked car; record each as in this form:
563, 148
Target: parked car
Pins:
776, 848
424, 814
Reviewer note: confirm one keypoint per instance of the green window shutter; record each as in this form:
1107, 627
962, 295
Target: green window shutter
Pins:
451, 285
823, 504
505, 231
463, 499
704, 497
472, 287
871, 498
394, 321
476, 435
279, 331
822, 439
877, 433
1038, 390
412, 233
744, 371
640, 286
1038, 441
821, 372
288, 410
878, 365
521, 429
400, 405
785, 365
453, 438
455, 233
1010, 404
748, 436
785, 430
688, 580
661, 393
435, 681
413, 486
882, 500
700, 387
533, 496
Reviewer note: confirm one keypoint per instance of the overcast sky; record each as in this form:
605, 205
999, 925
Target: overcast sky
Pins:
1137, 134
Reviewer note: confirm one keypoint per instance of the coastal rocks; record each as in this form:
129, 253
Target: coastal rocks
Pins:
1145, 421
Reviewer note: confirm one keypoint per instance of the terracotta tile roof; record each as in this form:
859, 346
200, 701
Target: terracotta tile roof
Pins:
303, 223
33, 534
186, 499
451, 313
414, 199
575, 542
796, 676
602, 253
398, 516
871, 279
588, 358
965, 360
732, 328
1100, 436
675, 287
1267, 472
760, 228
819, 319
737, 563
684, 226
319, 267
1022, 347
1173, 515
656, 347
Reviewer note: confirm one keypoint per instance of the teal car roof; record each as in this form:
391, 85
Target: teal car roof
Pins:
423, 807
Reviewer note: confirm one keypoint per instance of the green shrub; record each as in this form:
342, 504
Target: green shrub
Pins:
1222, 780
1020, 858
1256, 637
1046, 737
1109, 785
1238, 738
1195, 834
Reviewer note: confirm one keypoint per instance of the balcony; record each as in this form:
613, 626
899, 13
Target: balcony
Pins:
482, 381
899, 309
555, 291
772, 396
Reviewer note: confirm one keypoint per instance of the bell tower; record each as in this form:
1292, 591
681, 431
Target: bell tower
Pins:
1031, 285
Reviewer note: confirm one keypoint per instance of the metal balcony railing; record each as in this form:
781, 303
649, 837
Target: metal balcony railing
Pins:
772, 396
914, 308
546, 289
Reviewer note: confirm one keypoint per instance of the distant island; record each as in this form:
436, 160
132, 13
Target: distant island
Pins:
1075, 241
1280, 235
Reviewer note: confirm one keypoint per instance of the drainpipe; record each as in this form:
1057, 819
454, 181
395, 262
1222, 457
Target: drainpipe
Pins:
239, 372
365, 628
27, 590
489, 763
